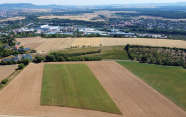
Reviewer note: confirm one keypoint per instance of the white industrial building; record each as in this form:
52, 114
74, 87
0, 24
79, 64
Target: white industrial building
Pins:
48, 28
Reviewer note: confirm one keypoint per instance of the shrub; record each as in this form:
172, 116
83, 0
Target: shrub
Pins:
38, 59
10, 62
4, 81
184, 66
21, 66
144, 58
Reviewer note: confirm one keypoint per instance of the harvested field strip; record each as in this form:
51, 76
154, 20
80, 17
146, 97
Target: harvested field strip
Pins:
6, 71
170, 81
74, 85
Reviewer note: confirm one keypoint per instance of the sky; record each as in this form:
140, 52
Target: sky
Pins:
87, 2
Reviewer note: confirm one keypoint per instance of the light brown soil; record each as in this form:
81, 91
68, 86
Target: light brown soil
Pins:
6, 71
131, 95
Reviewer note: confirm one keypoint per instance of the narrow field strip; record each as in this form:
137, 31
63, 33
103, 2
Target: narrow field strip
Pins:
74, 85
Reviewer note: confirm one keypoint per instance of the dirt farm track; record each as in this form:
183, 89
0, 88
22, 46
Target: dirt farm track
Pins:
49, 44
133, 97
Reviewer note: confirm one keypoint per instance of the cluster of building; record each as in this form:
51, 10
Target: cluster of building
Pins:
17, 58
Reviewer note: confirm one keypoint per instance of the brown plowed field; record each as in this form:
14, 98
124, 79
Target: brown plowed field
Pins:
131, 95
6, 71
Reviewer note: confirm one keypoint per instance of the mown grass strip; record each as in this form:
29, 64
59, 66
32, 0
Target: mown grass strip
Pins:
168, 80
74, 85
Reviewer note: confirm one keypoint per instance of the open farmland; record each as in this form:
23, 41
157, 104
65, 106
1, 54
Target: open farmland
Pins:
12, 19
7, 70
87, 42
74, 85
49, 44
124, 41
87, 16
43, 44
168, 80
132, 96
31, 42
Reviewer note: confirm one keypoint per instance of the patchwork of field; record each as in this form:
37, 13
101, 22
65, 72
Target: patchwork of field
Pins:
87, 16
6, 71
153, 17
49, 44
132, 96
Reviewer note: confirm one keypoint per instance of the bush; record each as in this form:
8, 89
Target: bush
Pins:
21, 66
4, 81
10, 62
184, 66
38, 59
144, 58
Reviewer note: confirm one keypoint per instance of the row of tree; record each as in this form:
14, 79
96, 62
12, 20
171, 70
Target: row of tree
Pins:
157, 55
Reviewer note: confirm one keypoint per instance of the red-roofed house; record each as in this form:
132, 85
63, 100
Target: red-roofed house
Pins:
16, 47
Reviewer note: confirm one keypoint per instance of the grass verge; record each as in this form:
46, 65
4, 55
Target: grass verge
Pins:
74, 85
168, 80
108, 52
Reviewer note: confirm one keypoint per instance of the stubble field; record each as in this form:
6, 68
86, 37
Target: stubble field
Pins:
49, 44
132, 96
7, 70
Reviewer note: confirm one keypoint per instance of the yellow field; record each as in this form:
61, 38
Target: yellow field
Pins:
55, 44
96, 41
50, 44
87, 42
13, 19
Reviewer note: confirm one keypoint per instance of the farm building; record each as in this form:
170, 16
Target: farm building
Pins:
15, 59
6, 60
27, 49
20, 50
16, 47
27, 56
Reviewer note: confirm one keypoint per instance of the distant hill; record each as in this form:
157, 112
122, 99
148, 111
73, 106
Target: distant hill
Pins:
26, 5
29, 5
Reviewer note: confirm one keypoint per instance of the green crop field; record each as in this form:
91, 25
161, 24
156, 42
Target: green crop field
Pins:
168, 80
108, 52
74, 85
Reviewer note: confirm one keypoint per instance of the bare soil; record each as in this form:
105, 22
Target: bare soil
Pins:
133, 97
7, 70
